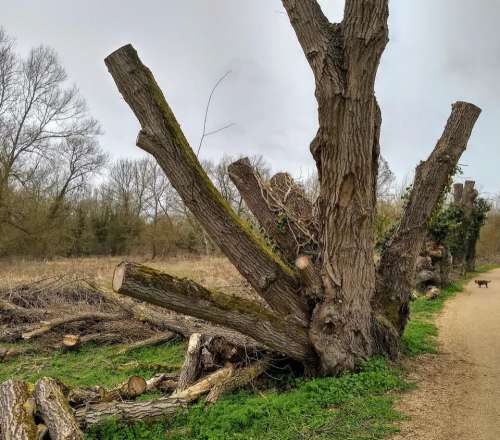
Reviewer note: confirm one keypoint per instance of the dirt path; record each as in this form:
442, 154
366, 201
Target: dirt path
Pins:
459, 391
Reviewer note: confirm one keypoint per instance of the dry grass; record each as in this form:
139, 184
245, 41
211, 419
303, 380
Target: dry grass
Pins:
212, 272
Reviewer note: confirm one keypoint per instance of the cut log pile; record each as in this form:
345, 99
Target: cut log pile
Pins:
64, 413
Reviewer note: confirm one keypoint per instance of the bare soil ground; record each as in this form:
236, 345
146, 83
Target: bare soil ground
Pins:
458, 395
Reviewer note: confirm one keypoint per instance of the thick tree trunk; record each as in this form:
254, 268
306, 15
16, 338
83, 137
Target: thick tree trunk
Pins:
180, 324
55, 411
280, 207
16, 412
334, 307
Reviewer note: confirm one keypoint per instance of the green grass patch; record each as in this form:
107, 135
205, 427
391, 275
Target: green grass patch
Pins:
357, 406
93, 365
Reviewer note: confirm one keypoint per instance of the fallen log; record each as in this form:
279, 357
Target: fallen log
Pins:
153, 409
55, 411
192, 362
16, 411
47, 326
239, 379
161, 338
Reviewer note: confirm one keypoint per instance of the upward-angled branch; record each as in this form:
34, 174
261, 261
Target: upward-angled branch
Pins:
162, 136
321, 41
397, 266
256, 196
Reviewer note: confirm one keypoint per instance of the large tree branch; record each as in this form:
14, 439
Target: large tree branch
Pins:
311, 26
396, 271
321, 41
182, 324
187, 297
366, 35
162, 136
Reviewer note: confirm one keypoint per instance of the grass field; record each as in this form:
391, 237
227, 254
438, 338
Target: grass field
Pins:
355, 406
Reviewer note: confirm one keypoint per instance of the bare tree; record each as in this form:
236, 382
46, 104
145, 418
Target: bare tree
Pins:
333, 309
37, 111
78, 158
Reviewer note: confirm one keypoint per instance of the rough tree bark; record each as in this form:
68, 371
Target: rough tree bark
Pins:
334, 309
188, 297
16, 412
55, 411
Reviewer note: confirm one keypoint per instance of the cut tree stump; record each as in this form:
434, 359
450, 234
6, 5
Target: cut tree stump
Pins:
16, 411
72, 342
55, 411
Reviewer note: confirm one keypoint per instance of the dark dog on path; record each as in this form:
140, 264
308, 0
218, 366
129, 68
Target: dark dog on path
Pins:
482, 283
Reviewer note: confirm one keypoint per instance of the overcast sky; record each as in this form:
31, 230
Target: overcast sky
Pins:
440, 51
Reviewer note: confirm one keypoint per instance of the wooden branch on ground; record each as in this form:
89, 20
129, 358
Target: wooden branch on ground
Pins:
239, 379
162, 136
150, 410
16, 411
192, 362
161, 338
47, 326
55, 411
188, 297
131, 388
396, 271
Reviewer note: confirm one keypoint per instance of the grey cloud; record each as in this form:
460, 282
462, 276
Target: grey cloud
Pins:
440, 51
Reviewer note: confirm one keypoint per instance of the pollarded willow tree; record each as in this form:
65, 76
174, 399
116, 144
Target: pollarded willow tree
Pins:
326, 303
